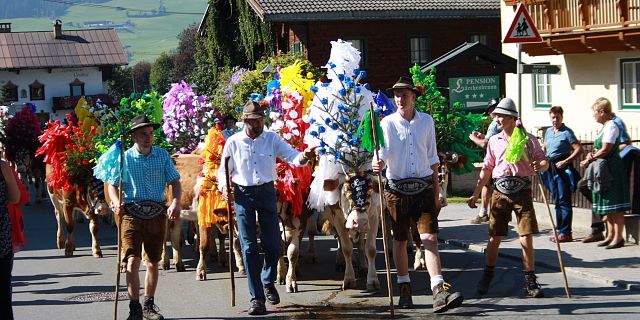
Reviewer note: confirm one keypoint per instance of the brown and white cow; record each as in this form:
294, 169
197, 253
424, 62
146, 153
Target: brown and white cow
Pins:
88, 199
294, 228
354, 217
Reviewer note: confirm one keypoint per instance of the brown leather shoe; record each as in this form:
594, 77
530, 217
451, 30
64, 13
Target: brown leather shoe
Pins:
593, 238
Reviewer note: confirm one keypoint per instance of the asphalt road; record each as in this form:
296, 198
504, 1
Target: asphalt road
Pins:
48, 286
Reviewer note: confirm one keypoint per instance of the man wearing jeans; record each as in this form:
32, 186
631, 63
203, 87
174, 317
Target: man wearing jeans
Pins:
562, 147
252, 167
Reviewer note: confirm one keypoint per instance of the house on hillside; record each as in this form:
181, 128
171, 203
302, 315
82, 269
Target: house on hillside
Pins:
53, 69
597, 46
391, 35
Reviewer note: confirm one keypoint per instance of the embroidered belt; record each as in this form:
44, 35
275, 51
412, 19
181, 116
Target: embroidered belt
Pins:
511, 185
145, 210
409, 186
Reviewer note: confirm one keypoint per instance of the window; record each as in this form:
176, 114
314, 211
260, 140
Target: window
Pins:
419, 49
542, 90
36, 90
361, 45
9, 92
76, 88
630, 74
297, 47
479, 37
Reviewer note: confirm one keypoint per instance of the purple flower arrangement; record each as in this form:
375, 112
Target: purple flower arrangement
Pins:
187, 117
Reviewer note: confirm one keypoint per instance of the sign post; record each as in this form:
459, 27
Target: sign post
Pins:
522, 30
540, 68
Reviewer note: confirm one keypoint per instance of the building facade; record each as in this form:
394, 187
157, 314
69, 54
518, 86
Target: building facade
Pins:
52, 70
597, 46
392, 36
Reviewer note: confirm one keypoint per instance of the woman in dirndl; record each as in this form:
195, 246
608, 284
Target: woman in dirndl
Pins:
612, 201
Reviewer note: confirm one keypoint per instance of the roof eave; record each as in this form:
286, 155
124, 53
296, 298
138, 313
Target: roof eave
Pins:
378, 15
13, 69
257, 9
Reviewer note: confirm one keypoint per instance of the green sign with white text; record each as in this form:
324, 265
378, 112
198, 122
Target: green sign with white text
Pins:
473, 92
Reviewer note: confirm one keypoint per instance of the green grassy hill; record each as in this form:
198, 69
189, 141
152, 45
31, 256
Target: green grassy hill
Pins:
145, 40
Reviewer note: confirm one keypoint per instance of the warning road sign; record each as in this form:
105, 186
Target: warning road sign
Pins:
522, 28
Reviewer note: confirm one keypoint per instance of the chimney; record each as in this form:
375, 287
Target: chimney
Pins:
57, 29
5, 27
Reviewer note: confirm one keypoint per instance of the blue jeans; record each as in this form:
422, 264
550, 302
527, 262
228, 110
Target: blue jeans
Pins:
559, 183
248, 201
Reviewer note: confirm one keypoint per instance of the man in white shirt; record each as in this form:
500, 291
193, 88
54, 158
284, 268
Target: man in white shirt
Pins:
412, 189
252, 167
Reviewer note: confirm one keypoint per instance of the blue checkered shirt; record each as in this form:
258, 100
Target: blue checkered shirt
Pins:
146, 177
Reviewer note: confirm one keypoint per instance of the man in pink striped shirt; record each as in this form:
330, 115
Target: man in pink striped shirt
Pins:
512, 192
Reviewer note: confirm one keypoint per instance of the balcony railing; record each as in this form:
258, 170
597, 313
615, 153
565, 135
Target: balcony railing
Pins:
583, 26
559, 16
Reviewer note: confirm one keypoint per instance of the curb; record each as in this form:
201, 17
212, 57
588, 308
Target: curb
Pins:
569, 270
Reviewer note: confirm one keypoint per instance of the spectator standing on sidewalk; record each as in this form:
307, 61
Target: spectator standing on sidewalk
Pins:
481, 140
9, 194
513, 193
608, 199
562, 147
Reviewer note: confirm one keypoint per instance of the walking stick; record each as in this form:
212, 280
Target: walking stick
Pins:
384, 228
230, 224
555, 235
118, 221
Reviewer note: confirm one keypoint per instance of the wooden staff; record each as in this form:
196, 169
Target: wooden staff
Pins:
555, 235
118, 222
384, 228
230, 224
553, 225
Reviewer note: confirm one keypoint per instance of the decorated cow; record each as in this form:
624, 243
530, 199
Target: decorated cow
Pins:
343, 186
210, 210
287, 95
70, 154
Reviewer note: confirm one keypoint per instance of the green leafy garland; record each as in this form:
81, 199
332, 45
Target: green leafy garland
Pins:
453, 125
115, 121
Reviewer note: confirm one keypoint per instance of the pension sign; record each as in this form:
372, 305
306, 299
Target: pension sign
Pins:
473, 92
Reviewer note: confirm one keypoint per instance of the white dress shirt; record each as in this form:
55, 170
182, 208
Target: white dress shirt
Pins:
253, 161
409, 146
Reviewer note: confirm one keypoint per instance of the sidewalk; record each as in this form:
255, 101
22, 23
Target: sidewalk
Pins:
618, 267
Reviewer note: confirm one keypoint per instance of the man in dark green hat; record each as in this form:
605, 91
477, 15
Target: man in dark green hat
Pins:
147, 171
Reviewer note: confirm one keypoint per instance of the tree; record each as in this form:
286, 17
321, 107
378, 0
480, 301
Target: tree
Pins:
141, 72
185, 61
202, 75
160, 75
121, 83
235, 36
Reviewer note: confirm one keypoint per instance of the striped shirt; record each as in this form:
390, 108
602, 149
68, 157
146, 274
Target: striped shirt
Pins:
146, 177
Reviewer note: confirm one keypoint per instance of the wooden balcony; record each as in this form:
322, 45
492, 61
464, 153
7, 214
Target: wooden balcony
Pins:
583, 26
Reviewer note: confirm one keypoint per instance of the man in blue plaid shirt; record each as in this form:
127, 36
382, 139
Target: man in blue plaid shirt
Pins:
147, 172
